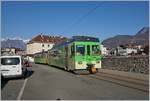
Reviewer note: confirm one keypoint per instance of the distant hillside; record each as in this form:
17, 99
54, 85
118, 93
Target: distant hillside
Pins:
139, 39
13, 43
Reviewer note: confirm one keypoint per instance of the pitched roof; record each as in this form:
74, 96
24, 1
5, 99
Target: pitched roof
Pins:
47, 39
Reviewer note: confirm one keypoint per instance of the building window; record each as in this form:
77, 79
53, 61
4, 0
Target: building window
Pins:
42, 45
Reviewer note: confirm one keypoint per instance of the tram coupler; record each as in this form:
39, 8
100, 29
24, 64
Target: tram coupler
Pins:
91, 68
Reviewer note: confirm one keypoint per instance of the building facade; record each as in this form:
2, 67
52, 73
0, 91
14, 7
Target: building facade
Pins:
125, 51
12, 51
36, 47
7, 51
42, 43
104, 50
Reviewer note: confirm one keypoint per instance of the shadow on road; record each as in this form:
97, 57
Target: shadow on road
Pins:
61, 69
4, 81
77, 72
29, 73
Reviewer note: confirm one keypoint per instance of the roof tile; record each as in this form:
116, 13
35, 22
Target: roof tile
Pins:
48, 39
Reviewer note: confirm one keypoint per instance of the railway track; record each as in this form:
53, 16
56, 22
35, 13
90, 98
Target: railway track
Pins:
125, 78
129, 82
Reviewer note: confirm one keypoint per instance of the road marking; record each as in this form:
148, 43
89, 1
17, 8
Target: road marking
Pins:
22, 90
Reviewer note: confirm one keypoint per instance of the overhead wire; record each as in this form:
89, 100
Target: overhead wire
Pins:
83, 17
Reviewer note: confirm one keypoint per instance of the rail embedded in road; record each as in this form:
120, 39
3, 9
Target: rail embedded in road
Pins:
122, 81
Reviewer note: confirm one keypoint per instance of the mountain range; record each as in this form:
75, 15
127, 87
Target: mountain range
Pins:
140, 38
13, 43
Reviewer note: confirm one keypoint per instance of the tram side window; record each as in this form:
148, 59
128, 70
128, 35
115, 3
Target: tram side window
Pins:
55, 53
95, 50
37, 55
52, 53
60, 52
80, 49
72, 50
40, 55
44, 55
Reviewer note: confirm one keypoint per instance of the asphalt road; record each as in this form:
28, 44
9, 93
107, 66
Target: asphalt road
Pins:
49, 83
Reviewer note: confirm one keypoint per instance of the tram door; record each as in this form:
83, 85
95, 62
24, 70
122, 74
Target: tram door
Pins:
88, 56
88, 50
70, 53
66, 57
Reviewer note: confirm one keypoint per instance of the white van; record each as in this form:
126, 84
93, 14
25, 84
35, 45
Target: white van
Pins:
11, 66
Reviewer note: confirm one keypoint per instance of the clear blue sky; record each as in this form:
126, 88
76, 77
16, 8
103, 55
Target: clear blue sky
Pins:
28, 19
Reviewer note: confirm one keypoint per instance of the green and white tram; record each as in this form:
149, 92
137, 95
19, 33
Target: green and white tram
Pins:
79, 53
41, 57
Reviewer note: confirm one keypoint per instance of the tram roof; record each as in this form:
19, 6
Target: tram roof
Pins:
78, 38
85, 38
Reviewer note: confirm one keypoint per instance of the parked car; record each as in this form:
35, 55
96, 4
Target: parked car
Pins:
11, 66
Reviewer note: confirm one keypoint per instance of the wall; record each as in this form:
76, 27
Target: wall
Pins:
138, 64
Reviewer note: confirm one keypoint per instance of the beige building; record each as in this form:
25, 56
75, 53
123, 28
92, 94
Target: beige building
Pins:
36, 47
104, 50
8, 51
42, 43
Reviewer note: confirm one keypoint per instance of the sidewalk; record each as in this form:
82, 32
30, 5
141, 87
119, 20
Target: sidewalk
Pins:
126, 74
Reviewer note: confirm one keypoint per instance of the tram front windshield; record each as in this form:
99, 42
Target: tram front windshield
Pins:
80, 49
95, 50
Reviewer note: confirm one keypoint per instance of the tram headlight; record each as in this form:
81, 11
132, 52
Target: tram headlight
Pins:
80, 62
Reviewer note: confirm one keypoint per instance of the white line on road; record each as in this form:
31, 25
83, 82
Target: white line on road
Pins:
22, 90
